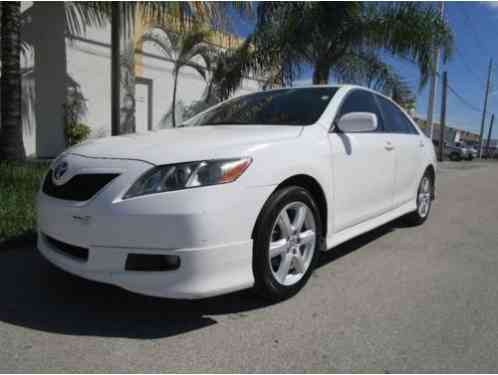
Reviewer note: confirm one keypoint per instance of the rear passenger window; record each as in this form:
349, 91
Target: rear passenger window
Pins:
361, 101
395, 121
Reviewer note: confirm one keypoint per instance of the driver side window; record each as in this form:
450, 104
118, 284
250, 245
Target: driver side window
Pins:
361, 101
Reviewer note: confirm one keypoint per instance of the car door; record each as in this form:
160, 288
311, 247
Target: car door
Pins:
363, 166
408, 144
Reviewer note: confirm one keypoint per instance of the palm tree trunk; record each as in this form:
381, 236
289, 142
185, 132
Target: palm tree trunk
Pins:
115, 68
11, 138
173, 105
321, 73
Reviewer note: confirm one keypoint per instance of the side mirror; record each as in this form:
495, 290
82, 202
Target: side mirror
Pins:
355, 122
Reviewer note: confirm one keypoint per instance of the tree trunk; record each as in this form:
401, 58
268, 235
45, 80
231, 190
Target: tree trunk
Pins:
11, 138
115, 67
209, 92
173, 105
122, 72
321, 73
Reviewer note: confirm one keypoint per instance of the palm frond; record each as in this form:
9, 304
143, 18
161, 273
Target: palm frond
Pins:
364, 68
79, 15
201, 70
409, 30
165, 40
190, 40
230, 67
205, 52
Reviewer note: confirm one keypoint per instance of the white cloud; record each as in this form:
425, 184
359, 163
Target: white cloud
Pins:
492, 4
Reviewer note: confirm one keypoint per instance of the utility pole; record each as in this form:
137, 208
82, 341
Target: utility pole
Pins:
488, 83
432, 92
489, 134
443, 116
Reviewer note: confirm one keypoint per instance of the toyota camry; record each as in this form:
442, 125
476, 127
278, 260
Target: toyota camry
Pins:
246, 194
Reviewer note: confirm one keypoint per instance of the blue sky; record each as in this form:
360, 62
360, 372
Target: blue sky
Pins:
475, 25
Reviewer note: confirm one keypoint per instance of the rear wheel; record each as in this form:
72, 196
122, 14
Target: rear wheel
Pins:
286, 243
424, 201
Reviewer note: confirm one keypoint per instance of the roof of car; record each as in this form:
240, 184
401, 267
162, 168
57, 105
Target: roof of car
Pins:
338, 86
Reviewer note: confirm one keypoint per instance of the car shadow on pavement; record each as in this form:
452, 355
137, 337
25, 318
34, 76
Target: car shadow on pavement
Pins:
358, 242
36, 295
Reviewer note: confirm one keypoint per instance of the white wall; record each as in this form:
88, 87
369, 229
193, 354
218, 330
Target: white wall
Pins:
87, 62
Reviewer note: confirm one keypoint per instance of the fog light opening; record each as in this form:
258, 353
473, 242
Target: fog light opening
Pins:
152, 262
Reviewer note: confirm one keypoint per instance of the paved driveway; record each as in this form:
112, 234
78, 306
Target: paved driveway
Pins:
396, 299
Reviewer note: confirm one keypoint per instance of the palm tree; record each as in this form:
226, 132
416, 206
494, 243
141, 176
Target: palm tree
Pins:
78, 16
322, 33
122, 16
366, 68
229, 68
11, 141
184, 49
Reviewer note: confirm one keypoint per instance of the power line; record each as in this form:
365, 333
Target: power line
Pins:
463, 100
466, 65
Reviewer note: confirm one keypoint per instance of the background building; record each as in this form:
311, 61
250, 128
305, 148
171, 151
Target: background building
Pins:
59, 65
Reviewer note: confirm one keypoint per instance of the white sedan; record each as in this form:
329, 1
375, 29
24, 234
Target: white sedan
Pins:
246, 194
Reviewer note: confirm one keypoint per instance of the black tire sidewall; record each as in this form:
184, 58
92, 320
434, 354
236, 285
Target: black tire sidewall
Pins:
265, 282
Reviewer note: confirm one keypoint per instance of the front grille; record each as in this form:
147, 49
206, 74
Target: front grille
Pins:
79, 188
67, 249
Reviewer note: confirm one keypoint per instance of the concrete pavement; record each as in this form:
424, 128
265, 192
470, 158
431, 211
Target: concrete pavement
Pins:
395, 299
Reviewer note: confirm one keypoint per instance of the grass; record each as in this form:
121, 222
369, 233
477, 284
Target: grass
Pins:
19, 183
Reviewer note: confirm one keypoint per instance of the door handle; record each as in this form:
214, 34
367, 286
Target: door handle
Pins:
421, 144
389, 146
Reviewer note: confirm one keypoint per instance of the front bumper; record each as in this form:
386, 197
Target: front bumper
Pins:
203, 272
209, 229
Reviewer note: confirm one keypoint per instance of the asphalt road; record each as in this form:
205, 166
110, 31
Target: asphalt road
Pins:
396, 299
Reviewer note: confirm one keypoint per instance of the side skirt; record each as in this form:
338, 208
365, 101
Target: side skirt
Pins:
349, 233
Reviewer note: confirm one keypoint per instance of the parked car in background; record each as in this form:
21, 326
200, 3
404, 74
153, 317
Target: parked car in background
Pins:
470, 151
456, 151
245, 194
451, 151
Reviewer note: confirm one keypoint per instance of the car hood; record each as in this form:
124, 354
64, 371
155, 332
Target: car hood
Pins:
187, 143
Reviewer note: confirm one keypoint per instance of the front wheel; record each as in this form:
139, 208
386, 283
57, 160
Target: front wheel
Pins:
424, 201
287, 242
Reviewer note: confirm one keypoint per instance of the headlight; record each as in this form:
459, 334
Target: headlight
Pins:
187, 175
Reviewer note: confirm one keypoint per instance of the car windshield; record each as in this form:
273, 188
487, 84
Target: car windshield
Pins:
299, 106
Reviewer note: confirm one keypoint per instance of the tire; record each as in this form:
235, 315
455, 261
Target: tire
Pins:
297, 252
419, 216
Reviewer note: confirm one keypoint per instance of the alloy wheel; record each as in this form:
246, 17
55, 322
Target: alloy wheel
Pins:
292, 243
424, 197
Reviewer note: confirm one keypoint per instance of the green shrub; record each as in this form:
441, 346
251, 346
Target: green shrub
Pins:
19, 183
76, 133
